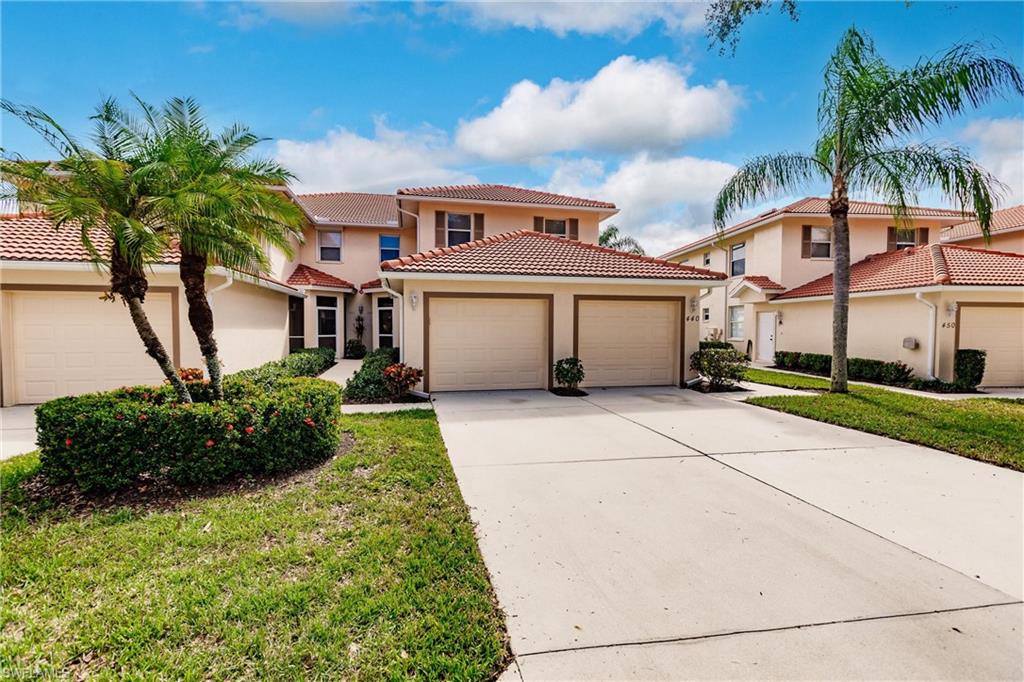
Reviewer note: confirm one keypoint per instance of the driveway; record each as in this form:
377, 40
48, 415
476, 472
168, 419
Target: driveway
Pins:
17, 430
665, 534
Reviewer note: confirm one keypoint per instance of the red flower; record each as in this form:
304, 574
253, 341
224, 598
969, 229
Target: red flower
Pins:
309, 422
210, 443
145, 396
231, 427
119, 417
277, 413
143, 417
67, 442
249, 429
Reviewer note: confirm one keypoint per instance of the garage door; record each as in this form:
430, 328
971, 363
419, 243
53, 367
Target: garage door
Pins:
999, 331
629, 343
67, 343
487, 343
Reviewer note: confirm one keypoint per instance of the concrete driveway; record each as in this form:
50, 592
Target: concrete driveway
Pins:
664, 534
17, 430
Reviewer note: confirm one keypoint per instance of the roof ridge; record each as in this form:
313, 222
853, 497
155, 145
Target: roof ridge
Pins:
328, 194
940, 270
979, 250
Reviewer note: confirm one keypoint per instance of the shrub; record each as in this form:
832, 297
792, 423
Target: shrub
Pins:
306, 362
354, 349
894, 373
569, 372
106, 441
968, 368
709, 344
720, 366
400, 378
367, 385
190, 373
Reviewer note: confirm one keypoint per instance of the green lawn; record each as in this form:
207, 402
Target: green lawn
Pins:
986, 429
364, 568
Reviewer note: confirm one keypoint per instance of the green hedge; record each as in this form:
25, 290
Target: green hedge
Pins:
858, 369
968, 368
715, 345
306, 362
367, 385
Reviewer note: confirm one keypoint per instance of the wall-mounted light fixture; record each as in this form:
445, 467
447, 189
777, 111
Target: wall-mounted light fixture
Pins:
413, 300
693, 304
778, 318
951, 309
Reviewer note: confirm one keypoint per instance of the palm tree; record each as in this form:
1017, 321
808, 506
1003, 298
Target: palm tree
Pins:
612, 238
868, 114
109, 202
220, 205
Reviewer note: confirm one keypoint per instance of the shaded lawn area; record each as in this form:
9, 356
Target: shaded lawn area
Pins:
363, 568
986, 429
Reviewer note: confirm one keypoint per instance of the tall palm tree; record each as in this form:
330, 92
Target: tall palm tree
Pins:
613, 238
868, 114
219, 202
111, 204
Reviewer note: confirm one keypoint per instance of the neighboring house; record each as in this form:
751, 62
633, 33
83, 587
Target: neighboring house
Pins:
917, 305
785, 247
1006, 233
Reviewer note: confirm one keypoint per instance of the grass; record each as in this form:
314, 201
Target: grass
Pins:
990, 430
363, 568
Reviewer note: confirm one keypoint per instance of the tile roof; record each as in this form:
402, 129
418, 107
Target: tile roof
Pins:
372, 284
503, 193
34, 237
819, 206
305, 276
1002, 221
762, 282
351, 208
922, 266
529, 253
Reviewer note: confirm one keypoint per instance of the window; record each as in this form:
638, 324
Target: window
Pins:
296, 323
460, 228
905, 238
707, 258
385, 322
329, 244
735, 322
558, 228
327, 322
737, 259
389, 244
705, 314
817, 242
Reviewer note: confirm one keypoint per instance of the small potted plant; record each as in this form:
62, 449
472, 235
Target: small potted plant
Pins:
569, 375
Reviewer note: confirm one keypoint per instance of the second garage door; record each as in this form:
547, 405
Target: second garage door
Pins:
629, 342
479, 344
999, 331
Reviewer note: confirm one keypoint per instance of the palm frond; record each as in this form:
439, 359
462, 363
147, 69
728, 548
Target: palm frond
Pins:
767, 177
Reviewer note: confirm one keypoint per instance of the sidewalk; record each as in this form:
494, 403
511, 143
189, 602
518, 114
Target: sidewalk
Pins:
983, 393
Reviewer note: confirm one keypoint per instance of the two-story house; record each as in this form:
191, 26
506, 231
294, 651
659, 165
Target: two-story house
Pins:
1006, 233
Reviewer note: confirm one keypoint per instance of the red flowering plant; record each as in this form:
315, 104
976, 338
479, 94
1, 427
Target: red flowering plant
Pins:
190, 373
400, 378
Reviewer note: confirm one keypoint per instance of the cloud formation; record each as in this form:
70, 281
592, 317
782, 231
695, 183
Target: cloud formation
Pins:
623, 19
999, 146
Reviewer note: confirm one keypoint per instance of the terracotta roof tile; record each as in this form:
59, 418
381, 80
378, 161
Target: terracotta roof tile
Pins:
922, 266
305, 276
1002, 221
503, 193
762, 282
536, 254
34, 237
372, 284
351, 208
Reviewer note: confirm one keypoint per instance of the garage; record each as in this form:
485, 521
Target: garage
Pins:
487, 342
629, 341
72, 342
999, 331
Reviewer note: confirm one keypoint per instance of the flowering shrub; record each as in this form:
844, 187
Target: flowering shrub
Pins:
190, 373
367, 385
106, 441
400, 378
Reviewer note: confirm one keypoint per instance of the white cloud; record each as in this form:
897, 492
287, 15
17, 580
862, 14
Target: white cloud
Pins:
664, 202
629, 105
999, 145
248, 15
623, 19
200, 49
346, 161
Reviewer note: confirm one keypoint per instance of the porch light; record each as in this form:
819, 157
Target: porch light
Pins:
951, 308
413, 300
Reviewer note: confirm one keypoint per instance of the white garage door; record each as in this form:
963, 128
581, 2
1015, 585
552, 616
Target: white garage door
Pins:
629, 343
67, 343
999, 331
487, 343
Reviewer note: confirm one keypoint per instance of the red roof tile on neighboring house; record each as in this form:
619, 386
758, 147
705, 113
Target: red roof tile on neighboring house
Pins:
923, 266
542, 255
305, 276
351, 208
1002, 221
762, 282
372, 284
34, 237
503, 193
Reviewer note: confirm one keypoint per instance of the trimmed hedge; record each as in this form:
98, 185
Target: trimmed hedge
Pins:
713, 345
368, 385
968, 368
858, 369
722, 367
306, 362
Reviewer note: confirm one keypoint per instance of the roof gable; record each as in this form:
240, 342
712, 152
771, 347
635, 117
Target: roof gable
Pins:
305, 276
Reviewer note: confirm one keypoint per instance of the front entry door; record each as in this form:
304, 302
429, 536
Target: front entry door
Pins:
765, 337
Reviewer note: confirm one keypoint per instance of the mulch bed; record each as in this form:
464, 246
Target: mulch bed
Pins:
705, 388
569, 392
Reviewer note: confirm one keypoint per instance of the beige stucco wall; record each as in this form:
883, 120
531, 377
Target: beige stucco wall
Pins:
563, 309
1012, 242
500, 219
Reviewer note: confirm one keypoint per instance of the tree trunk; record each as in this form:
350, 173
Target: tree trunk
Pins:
192, 271
839, 208
132, 287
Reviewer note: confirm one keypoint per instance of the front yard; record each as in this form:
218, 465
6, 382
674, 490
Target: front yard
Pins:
986, 429
365, 567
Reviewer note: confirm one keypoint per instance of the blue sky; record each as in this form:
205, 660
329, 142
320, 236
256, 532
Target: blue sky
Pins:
617, 101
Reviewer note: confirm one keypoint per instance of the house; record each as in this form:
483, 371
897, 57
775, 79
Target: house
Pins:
482, 285
784, 248
1006, 233
918, 305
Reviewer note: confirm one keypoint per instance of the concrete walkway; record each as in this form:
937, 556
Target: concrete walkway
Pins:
664, 534
17, 430
342, 371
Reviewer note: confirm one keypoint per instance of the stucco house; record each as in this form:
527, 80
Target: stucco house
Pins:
1006, 233
482, 285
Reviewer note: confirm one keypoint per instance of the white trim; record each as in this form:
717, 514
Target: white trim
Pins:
748, 284
339, 317
527, 204
400, 305
398, 274
395, 307
907, 291
318, 287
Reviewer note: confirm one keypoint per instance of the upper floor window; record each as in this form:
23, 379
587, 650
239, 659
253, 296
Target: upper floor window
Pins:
389, 247
558, 228
816, 242
329, 246
737, 259
904, 238
707, 258
459, 228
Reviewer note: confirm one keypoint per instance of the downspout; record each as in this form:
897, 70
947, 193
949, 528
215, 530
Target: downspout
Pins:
725, 299
932, 311
227, 282
401, 306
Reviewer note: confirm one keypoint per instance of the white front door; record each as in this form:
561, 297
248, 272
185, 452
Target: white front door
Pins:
765, 337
